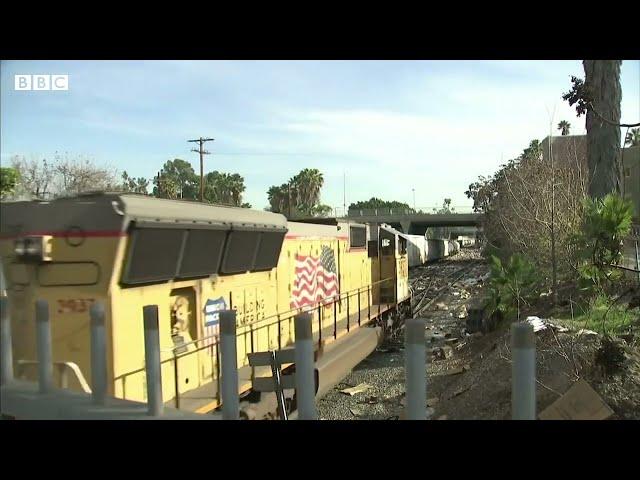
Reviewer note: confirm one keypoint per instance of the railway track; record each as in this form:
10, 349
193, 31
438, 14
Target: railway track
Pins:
438, 285
454, 282
430, 283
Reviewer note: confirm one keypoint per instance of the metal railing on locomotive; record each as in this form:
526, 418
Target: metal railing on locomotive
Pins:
254, 328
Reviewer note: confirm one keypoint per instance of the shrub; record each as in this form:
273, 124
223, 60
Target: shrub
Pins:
599, 245
512, 285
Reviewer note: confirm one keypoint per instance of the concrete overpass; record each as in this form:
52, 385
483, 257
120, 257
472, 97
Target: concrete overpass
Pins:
415, 223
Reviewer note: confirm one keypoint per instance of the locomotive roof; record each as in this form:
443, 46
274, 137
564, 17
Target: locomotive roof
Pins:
113, 211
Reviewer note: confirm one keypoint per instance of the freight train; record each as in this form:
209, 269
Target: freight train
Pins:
193, 260
421, 249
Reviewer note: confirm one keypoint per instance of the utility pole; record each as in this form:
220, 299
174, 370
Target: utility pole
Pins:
202, 152
414, 199
344, 192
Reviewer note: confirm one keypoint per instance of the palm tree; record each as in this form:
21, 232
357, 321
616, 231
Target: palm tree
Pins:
564, 127
224, 188
633, 138
277, 198
308, 184
602, 81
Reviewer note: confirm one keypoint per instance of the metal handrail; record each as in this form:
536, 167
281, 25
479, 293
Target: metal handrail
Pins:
295, 311
61, 366
334, 300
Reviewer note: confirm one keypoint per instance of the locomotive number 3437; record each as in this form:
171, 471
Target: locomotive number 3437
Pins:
74, 305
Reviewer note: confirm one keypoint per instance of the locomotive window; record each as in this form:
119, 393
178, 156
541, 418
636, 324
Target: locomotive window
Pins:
202, 253
387, 243
154, 254
269, 250
372, 248
357, 237
240, 251
402, 246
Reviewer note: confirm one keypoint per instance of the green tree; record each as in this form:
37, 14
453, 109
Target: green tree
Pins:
134, 185
278, 198
177, 179
307, 185
377, 203
564, 127
224, 188
512, 286
9, 179
300, 196
633, 138
606, 223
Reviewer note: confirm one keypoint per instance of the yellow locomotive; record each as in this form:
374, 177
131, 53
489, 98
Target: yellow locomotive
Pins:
192, 260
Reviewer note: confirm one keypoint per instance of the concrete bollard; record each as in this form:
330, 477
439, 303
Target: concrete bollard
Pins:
6, 352
523, 384
152, 360
98, 355
229, 360
416, 375
305, 378
43, 347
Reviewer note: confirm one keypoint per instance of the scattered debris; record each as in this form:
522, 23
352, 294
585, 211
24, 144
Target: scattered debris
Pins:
356, 412
537, 323
541, 324
460, 391
584, 331
580, 402
361, 387
442, 417
442, 353
432, 402
459, 370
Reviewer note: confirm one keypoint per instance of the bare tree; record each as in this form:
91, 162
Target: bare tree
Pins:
518, 206
36, 177
77, 175
44, 179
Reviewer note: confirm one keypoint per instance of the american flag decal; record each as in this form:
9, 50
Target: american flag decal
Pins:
316, 279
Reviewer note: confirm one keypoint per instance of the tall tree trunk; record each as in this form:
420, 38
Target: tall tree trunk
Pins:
602, 79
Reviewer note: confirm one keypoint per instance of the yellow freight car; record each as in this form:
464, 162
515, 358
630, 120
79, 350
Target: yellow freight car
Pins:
192, 259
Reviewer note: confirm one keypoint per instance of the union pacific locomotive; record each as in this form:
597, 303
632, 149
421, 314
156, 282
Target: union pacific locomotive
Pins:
192, 260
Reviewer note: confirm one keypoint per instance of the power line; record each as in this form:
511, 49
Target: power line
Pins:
201, 141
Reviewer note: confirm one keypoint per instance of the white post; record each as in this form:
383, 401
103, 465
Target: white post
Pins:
152, 360
523, 393
229, 359
416, 375
305, 378
98, 355
6, 355
43, 347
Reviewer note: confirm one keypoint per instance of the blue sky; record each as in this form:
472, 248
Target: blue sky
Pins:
390, 126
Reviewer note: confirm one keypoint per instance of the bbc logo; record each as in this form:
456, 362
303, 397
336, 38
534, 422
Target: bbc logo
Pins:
41, 82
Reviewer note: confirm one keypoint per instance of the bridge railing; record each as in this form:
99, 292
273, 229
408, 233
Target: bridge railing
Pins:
374, 212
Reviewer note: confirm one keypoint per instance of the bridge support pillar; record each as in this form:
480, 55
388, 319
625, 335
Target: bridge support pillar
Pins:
406, 225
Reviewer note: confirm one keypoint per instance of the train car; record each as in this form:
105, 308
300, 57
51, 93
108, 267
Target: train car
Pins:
453, 247
435, 249
192, 260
